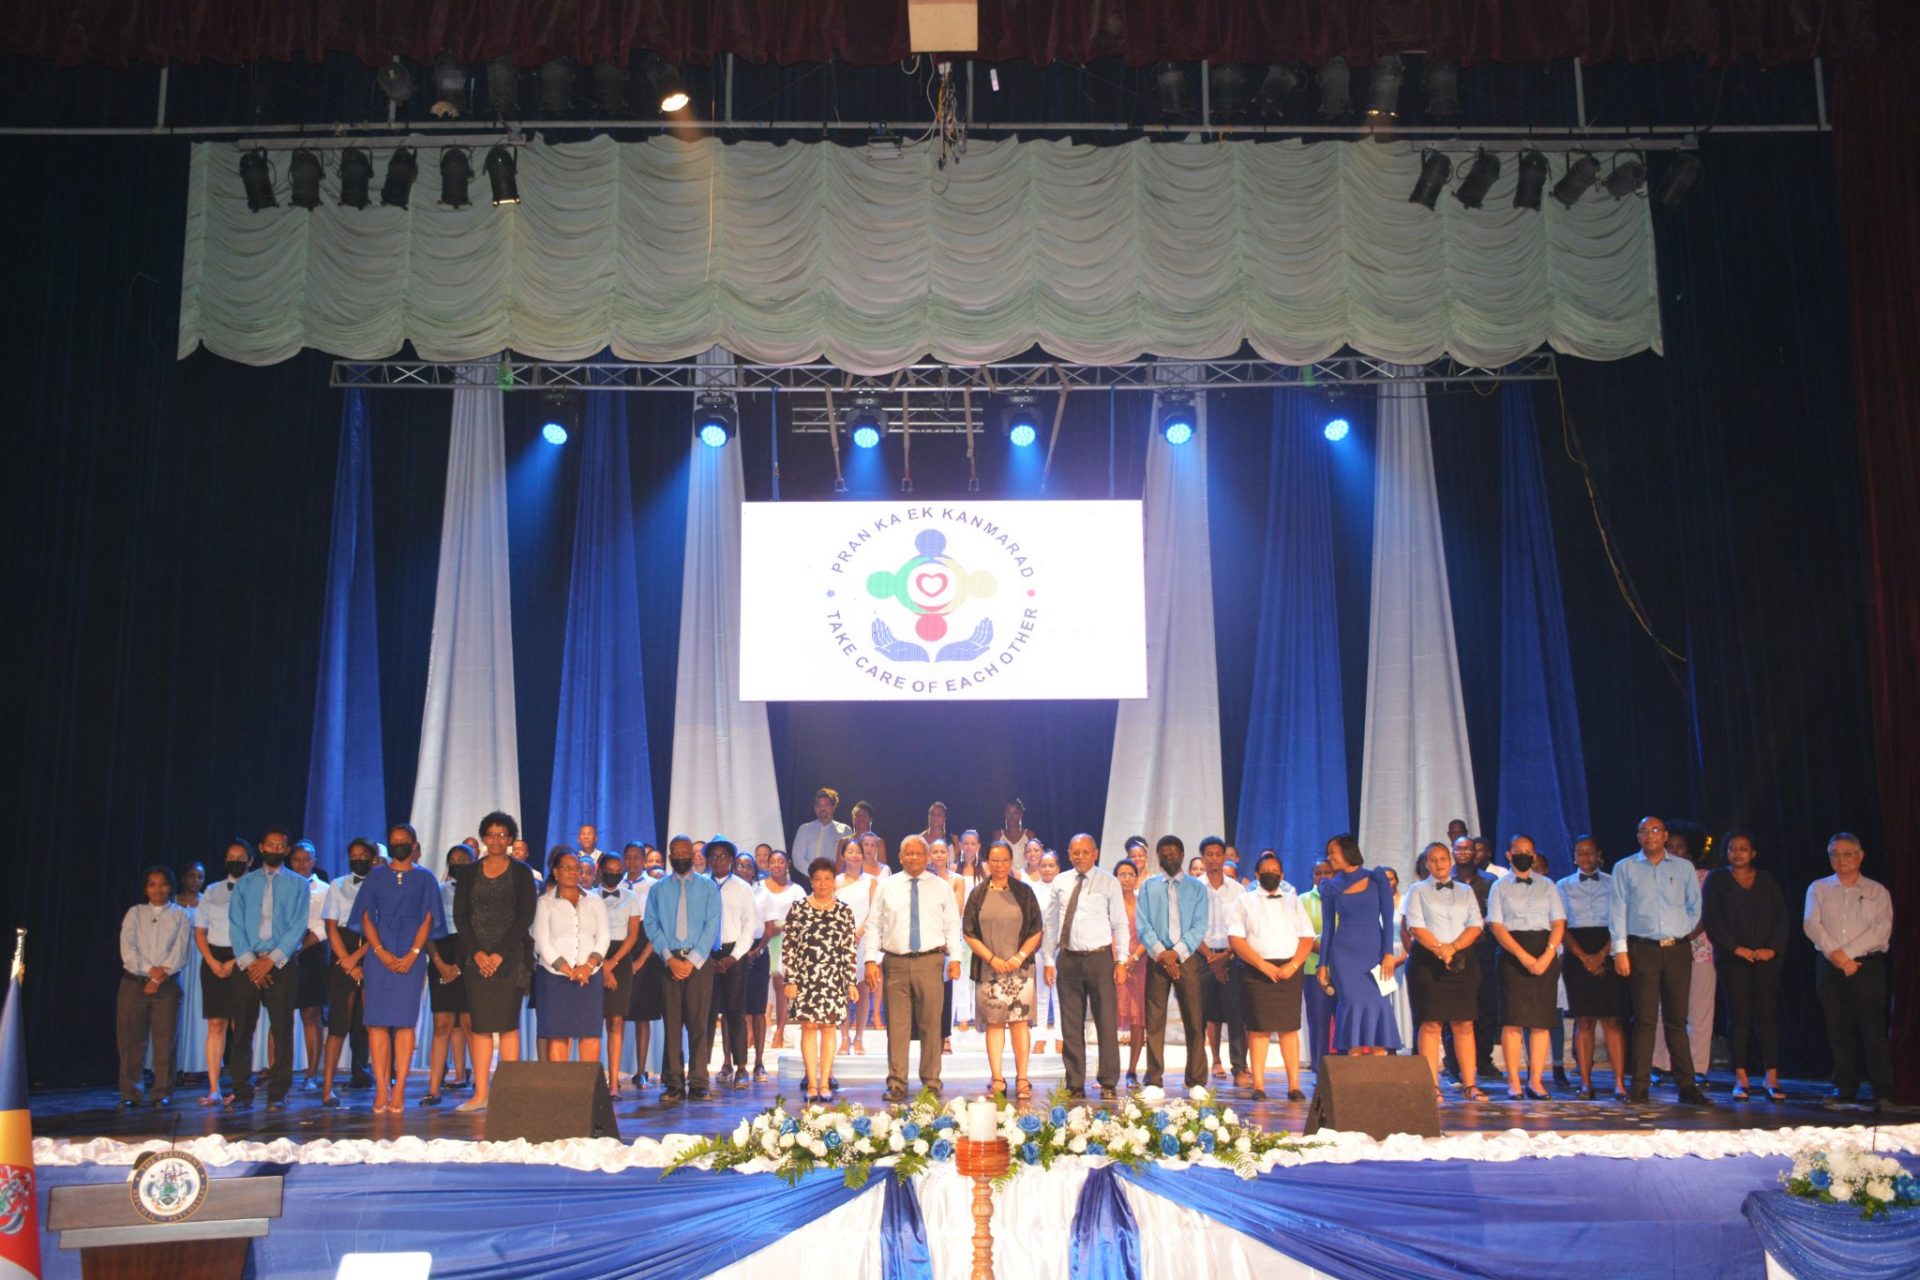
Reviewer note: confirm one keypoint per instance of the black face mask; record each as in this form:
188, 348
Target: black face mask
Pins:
611, 879
400, 851
1521, 861
1172, 863
360, 866
1270, 881
682, 865
236, 869
271, 858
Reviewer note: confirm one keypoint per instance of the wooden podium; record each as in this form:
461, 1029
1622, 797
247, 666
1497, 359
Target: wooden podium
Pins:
117, 1243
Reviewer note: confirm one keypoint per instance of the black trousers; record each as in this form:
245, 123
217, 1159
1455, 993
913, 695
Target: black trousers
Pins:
730, 1004
277, 1000
1085, 983
1191, 995
1857, 1006
1659, 980
1752, 994
689, 1012
1227, 997
138, 1017
1486, 1020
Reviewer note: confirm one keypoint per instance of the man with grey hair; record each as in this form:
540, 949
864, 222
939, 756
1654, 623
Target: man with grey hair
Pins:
1086, 943
1849, 919
913, 944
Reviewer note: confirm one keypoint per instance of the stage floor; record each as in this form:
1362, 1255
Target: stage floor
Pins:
91, 1113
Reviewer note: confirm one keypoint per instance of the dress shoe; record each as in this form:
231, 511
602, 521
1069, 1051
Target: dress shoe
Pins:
360, 1080
700, 1093
129, 1103
276, 1104
1586, 1094
741, 1079
1259, 1095
1638, 1094
1693, 1096
1294, 1095
1243, 1080
673, 1095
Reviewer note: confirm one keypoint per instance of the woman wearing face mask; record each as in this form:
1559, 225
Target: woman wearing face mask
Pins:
1528, 919
1273, 937
399, 911
493, 907
1747, 921
223, 997
346, 966
447, 995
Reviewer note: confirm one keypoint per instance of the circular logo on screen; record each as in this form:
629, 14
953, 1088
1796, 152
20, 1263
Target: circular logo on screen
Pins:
168, 1186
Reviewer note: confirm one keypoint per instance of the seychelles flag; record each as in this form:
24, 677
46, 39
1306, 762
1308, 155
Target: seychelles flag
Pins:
19, 1211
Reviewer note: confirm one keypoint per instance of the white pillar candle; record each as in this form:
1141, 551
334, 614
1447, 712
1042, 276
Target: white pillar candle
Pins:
983, 1121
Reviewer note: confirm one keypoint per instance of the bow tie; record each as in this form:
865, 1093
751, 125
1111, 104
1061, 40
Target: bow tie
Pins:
358, 879
1276, 895
1584, 877
1443, 884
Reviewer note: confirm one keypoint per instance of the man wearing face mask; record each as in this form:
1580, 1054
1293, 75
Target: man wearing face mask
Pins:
1171, 913
267, 917
683, 922
346, 953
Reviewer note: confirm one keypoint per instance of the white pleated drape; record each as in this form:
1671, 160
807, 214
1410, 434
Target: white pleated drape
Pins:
1417, 773
722, 748
469, 754
661, 249
1166, 774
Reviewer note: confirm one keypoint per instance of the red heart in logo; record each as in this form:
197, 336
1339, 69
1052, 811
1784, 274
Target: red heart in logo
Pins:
930, 585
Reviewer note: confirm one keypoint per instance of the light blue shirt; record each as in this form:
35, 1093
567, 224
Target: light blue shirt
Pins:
1099, 921
155, 938
1525, 902
1652, 900
284, 928
703, 916
1445, 913
1150, 914
1589, 902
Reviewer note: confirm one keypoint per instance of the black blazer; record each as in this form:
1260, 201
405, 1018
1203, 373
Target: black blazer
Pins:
1030, 921
523, 903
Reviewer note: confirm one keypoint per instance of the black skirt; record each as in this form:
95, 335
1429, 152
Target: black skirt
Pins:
310, 976
1604, 995
446, 997
1530, 1000
753, 995
1440, 994
493, 1003
1271, 1006
648, 987
614, 1003
222, 998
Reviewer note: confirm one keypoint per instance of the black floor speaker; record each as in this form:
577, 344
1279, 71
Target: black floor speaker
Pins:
1376, 1094
548, 1101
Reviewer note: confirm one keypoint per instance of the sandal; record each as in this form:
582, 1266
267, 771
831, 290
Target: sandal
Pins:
1740, 1093
1474, 1093
1775, 1095
998, 1087
1022, 1089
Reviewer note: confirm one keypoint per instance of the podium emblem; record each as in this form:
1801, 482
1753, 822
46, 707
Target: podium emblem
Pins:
168, 1186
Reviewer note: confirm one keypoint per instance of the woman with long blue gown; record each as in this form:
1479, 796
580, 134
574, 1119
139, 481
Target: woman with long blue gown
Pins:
400, 912
1357, 928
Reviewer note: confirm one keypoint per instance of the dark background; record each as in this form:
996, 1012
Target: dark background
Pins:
165, 537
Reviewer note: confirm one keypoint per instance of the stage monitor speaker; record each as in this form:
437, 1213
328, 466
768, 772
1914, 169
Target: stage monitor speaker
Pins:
549, 1101
1376, 1095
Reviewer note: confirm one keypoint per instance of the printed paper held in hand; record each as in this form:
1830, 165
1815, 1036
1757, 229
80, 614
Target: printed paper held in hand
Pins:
1387, 985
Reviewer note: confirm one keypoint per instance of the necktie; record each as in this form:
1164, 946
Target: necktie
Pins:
1584, 877
1173, 910
680, 912
913, 914
1073, 904
1444, 884
266, 909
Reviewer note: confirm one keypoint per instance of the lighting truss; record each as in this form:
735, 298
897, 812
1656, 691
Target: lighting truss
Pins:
932, 397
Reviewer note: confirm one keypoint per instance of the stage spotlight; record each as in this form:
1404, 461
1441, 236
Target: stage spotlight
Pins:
1629, 177
1472, 191
395, 81
1176, 417
356, 175
1022, 423
1336, 89
256, 175
554, 433
610, 88
714, 420
503, 174
1441, 81
503, 88
402, 169
1227, 91
1336, 430
1683, 170
303, 171
556, 87
667, 85
1582, 170
1170, 83
1383, 88
449, 83
863, 423
1531, 182
1283, 80
456, 170
1435, 169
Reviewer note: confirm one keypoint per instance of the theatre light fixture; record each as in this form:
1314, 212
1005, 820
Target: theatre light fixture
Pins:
1435, 169
1683, 170
1527, 188
256, 175
1336, 89
1176, 416
1480, 177
715, 420
1582, 171
667, 84
1383, 87
503, 175
303, 173
456, 170
402, 169
356, 175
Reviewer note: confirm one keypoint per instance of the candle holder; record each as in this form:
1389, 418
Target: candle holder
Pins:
983, 1162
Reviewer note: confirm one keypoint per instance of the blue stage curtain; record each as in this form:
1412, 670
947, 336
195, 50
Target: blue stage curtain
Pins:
1543, 773
1293, 791
346, 780
1564, 1217
1832, 1242
903, 1233
1105, 1241
601, 770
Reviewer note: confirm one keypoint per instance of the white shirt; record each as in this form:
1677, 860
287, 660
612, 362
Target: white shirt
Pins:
859, 897
563, 931
637, 891
155, 937
1272, 924
1221, 905
316, 907
739, 916
340, 896
211, 914
775, 903
892, 929
817, 840
1100, 919
620, 909
1856, 918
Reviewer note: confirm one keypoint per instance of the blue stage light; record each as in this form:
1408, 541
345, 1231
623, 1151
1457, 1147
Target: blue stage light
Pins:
1177, 430
554, 433
714, 421
1022, 434
1337, 429
1176, 417
713, 435
866, 435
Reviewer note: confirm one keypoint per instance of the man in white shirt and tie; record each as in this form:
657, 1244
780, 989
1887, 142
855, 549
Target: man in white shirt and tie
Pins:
914, 927
739, 930
820, 838
1086, 942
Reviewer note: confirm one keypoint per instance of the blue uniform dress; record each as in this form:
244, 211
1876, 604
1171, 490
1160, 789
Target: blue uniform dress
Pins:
396, 902
1357, 929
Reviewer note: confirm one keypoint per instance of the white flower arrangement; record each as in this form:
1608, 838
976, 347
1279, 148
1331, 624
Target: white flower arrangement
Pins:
1844, 1173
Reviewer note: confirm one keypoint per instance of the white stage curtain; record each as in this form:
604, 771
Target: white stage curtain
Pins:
660, 249
1166, 773
469, 754
722, 749
1417, 773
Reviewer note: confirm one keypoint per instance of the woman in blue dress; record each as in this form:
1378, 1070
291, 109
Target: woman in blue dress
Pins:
1357, 927
399, 912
